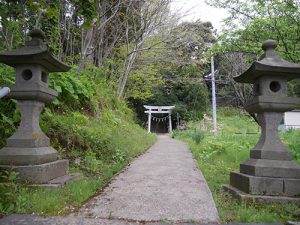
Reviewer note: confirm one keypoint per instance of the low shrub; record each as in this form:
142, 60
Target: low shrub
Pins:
11, 196
196, 135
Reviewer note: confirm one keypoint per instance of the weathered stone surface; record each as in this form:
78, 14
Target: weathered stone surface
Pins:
271, 168
270, 154
269, 142
40, 174
292, 187
268, 186
28, 149
257, 185
29, 133
59, 181
269, 104
259, 198
27, 156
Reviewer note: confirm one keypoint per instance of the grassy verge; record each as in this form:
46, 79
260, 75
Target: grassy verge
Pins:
101, 157
62, 201
91, 128
218, 155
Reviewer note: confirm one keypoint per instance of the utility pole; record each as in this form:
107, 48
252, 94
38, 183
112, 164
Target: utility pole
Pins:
213, 90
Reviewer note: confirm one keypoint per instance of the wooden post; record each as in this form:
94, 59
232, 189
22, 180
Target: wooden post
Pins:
149, 121
170, 122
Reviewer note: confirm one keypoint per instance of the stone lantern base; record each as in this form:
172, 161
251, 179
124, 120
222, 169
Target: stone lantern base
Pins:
50, 175
267, 181
40, 174
246, 197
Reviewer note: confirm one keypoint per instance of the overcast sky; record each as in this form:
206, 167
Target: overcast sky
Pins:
198, 9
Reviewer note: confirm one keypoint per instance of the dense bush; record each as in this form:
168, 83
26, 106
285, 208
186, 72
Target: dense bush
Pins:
109, 136
189, 97
88, 125
11, 198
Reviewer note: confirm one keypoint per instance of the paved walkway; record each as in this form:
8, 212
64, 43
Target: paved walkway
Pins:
164, 184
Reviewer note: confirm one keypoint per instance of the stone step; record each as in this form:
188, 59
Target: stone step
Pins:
59, 181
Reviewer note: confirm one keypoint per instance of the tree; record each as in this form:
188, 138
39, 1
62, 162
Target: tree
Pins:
152, 16
170, 73
251, 23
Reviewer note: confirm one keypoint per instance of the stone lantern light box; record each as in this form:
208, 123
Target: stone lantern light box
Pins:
28, 149
269, 174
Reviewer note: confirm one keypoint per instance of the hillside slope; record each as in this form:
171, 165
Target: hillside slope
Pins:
89, 126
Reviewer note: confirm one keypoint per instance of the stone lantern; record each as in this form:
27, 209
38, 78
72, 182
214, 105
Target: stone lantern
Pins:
269, 174
28, 149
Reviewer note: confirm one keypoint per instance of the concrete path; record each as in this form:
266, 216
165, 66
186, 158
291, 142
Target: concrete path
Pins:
162, 184
78, 220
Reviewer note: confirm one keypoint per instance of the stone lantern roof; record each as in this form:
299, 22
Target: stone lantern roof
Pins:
269, 64
35, 51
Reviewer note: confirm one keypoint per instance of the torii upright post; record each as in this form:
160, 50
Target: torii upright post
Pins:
159, 110
149, 121
170, 122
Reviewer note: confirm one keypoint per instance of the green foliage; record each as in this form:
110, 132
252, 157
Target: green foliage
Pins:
75, 92
291, 138
170, 72
190, 97
60, 201
219, 155
294, 88
190, 41
107, 136
91, 162
9, 114
251, 23
11, 195
196, 135
88, 125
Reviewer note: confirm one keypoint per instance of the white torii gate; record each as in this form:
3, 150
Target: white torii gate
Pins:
159, 109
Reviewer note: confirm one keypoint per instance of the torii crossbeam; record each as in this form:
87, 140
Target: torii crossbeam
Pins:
159, 109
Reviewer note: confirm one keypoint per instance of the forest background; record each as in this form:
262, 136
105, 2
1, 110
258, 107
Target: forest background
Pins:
147, 54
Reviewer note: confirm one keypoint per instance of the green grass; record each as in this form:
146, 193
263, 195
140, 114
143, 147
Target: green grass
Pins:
218, 155
103, 145
62, 201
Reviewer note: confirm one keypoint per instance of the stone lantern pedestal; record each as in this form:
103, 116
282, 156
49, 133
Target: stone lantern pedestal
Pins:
269, 174
28, 150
